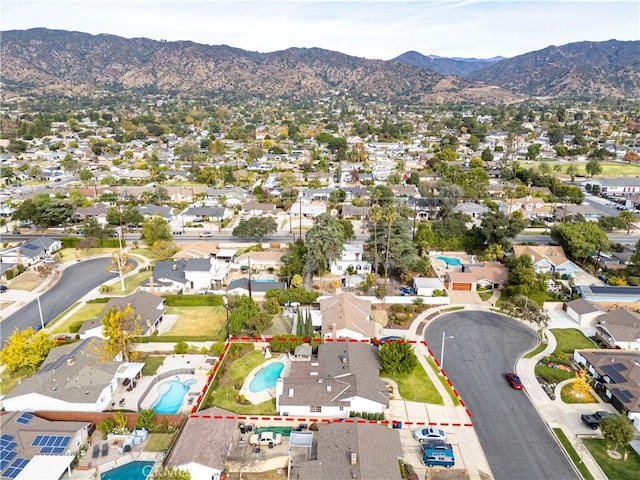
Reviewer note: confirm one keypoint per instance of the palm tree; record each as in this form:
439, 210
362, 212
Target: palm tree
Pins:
389, 216
628, 217
375, 216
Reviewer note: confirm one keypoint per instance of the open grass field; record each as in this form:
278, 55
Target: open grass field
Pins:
417, 386
197, 321
570, 339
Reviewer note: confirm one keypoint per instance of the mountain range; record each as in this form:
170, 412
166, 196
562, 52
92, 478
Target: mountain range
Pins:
57, 61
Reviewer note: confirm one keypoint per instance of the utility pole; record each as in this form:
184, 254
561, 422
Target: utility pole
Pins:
300, 213
249, 284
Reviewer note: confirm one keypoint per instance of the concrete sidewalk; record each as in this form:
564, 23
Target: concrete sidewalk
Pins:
558, 414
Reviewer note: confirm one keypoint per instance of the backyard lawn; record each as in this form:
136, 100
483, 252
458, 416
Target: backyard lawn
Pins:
417, 387
197, 321
151, 365
229, 382
158, 442
570, 339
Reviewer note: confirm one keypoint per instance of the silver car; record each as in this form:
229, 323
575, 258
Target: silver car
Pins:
428, 434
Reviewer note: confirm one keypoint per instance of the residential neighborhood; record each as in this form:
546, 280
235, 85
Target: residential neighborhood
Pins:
170, 291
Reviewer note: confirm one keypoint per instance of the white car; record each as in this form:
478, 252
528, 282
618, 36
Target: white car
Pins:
428, 434
49, 260
206, 234
265, 438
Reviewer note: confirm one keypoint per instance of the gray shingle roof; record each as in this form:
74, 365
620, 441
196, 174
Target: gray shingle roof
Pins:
256, 286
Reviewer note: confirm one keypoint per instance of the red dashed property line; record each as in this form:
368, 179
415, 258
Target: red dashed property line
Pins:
210, 378
395, 423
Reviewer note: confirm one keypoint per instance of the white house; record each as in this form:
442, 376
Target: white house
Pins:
308, 209
619, 328
352, 256
186, 275
30, 252
72, 379
547, 259
343, 378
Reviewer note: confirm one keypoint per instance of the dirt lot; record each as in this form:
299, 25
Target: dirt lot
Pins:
26, 281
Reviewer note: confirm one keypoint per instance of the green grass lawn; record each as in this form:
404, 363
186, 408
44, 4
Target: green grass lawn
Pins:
152, 364
554, 375
537, 350
158, 442
614, 469
87, 312
573, 455
609, 169
230, 382
435, 368
8, 380
570, 339
568, 397
197, 321
485, 295
130, 283
416, 386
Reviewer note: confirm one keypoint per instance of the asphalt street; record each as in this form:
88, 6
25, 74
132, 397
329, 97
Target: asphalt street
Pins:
516, 441
76, 281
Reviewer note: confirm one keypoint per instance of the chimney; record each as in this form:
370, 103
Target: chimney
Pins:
291, 393
328, 388
174, 267
354, 458
151, 287
344, 358
334, 331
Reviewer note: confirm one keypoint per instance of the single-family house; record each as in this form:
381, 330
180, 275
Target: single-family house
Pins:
341, 379
35, 448
547, 259
148, 312
352, 451
616, 187
617, 372
97, 212
619, 328
156, 211
186, 275
307, 209
488, 275
423, 208
204, 444
253, 208
347, 316
208, 214
351, 212
608, 294
592, 214
351, 260
581, 311
255, 288
31, 251
73, 378
474, 210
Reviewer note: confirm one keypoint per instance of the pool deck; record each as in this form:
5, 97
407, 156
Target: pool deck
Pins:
441, 267
269, 393
88, 467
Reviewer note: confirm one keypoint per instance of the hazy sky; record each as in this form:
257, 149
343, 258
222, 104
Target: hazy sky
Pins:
371, 29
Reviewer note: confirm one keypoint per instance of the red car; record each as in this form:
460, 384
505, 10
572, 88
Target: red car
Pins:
514, 381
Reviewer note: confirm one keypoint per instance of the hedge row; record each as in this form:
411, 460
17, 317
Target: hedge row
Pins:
99, 300
175, 339
193, 300
300, 295
74, 242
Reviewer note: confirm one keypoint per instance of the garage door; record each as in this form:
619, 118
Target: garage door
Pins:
462, 286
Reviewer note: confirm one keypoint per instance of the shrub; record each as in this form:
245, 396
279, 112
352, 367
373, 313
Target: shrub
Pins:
105, 426
110, 243
20, 267
98, 300
181, 348
300, 295
11, 274
104, 289
70, 242
633, 281
410, 308
272, 306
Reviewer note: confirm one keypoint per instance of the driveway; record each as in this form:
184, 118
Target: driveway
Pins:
516, 441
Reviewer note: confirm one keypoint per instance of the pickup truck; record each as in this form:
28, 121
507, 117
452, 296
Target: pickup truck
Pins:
265, 438
593, 421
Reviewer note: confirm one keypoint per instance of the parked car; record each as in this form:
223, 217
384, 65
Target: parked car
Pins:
514, 381
593, 421
265, 438
49, 260
427, 434
391, 339
436, 445
206, 234
3, 288
437, 457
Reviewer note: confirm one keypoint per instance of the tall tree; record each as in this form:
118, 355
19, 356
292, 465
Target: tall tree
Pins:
120, 263
375, 216
156, 229
120, 327
324, 242
25, 349
389, 216
617, 430
397, 358
255, 227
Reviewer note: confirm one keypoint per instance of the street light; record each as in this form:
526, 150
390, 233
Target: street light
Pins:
442, 349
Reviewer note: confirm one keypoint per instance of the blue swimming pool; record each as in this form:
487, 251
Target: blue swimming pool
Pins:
452, 261
266, 378
263, 280
129, 471
171, 396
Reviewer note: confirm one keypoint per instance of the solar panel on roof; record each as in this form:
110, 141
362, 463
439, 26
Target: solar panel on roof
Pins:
46, 450
6, 439
612, 371
16, 467
50, 441
63, 359
8, 456
25, 418
58, 450
37, 440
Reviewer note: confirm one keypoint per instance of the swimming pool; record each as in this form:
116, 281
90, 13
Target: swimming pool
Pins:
129, 471
452, 261
171, 396
266, 378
